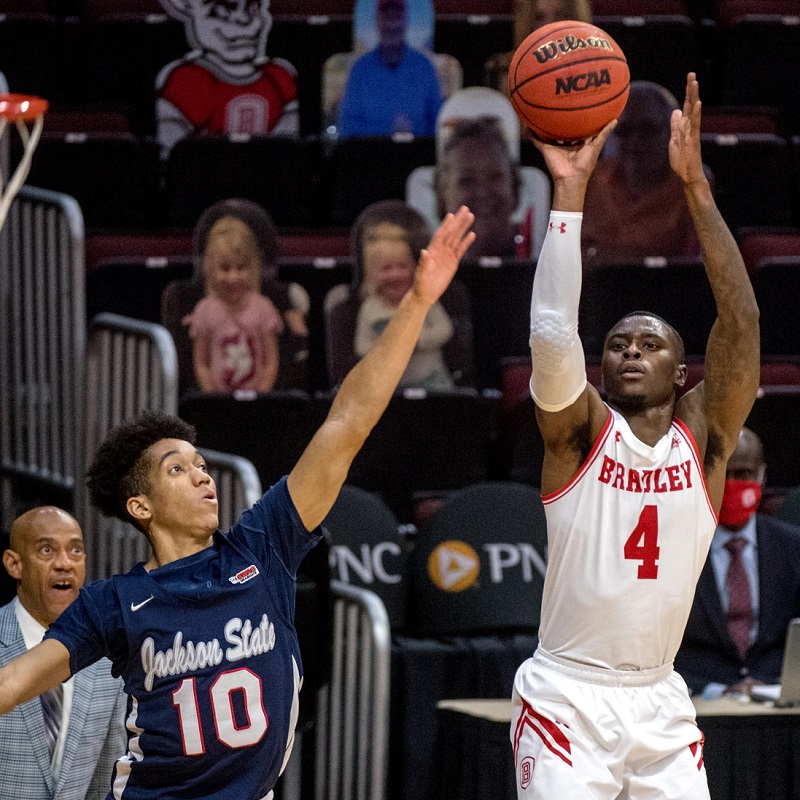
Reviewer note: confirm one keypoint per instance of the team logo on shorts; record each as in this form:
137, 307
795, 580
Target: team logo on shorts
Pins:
526, 771
453, 566
244, 575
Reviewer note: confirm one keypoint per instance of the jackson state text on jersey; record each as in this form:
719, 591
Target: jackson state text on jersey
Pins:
627, 540
209, 656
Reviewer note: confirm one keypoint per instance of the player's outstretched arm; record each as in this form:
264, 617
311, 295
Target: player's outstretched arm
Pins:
27, 676
725, 397
569, 411
315, 481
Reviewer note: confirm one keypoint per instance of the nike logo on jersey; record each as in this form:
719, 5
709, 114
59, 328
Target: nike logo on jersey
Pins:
137, 606
244, 575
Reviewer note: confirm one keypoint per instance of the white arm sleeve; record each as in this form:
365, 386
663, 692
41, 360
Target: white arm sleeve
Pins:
559, 365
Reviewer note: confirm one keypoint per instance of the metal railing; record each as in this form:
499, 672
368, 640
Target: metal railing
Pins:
353, 721
42, 340
131, 366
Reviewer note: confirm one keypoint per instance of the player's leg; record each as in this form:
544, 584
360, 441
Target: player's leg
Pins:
555, 756
667, 760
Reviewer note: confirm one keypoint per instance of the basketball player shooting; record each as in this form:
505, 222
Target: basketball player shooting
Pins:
202, 633
631, 489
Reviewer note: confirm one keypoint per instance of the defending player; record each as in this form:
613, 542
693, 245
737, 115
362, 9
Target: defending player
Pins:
202, 633
631, 491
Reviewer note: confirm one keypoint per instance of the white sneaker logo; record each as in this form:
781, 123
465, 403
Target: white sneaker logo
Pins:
137, 606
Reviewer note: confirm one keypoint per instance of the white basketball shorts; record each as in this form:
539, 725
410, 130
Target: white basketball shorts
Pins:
582, 733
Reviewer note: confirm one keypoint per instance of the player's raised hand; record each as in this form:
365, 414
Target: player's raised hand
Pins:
684, 143
574, 161
439, 261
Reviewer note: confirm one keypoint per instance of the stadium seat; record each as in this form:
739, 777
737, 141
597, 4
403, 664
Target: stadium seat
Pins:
317, 276
132, 287
750, 79
368, 550
274, 171
113, 176
30, 53
422, 442
759, 244
676, 290
336, 71
340, 315
500, 293
774, 418
288, 8
363, 170
789, 509
739, 119
639, 8
479, 563
729, 11
480, 7
124, 54
307, 39
93, 10
472, 38
103, 245
660, 48
271, 430
776, 282
177, 301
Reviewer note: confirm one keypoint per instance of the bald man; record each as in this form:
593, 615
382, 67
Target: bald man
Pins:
63, 745
748, 591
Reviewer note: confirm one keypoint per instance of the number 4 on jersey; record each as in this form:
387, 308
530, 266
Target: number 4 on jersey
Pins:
642, 544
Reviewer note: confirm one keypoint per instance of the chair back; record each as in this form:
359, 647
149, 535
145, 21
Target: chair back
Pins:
479, 563
367, 550
340, 309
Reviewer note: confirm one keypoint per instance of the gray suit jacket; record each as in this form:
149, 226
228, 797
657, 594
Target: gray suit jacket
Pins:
96, 734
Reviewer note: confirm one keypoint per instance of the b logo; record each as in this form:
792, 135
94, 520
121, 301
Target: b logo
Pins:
526, 771
453, 566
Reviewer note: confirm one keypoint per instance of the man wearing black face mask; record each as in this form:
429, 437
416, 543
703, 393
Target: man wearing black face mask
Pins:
748, 591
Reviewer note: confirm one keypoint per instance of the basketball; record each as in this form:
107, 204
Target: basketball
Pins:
568, 80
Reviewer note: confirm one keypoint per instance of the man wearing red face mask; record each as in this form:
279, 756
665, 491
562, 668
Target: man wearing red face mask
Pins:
748, 591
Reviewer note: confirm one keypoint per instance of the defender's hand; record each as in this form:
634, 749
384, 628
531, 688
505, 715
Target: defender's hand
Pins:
439, 261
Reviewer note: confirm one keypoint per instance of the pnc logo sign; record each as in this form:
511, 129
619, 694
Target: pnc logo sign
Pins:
453, 566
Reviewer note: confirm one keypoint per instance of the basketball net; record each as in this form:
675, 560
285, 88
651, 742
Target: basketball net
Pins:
21, 110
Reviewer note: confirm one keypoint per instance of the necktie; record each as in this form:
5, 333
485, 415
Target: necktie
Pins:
52, 706
740, 605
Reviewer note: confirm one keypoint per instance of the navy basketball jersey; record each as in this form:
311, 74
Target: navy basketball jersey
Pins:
209, 655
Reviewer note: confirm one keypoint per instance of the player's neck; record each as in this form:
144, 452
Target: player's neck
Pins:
169, 547
648, 424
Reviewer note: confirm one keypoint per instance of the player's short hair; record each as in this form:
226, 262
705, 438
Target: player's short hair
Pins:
119, 469
670, 328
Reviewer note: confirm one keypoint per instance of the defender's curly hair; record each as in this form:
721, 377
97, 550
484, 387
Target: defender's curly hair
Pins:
119, 469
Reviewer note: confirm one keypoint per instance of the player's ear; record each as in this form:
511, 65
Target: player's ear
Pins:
139, 508
12, 563
680, 375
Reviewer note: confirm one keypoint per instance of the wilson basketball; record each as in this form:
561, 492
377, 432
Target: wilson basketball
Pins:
568, 80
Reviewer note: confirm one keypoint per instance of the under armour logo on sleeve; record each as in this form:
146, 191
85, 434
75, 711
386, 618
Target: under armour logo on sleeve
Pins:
562, 227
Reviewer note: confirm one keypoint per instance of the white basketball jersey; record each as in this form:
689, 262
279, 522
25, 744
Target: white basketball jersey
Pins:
627, 538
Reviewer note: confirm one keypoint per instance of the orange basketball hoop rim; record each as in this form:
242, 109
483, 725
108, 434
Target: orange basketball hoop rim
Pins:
20, 109
23, 107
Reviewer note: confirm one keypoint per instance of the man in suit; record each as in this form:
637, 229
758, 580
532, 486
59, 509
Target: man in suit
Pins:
748, 591
63, 745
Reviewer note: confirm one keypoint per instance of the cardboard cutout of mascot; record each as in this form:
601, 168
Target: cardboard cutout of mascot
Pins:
226, 83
